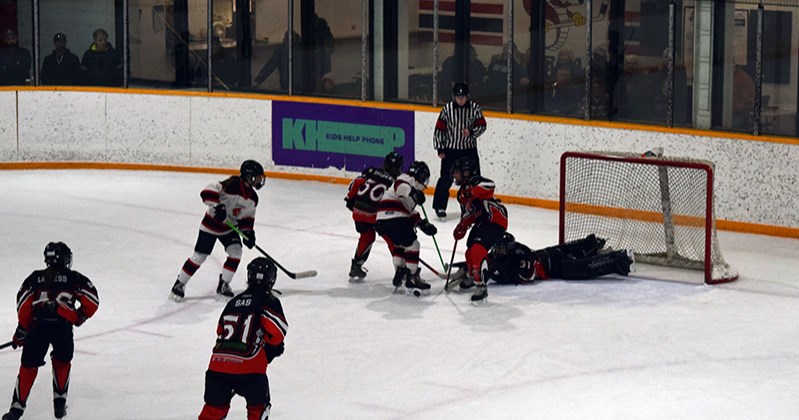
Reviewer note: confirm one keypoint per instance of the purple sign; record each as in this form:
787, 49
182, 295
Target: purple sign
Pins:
320, 135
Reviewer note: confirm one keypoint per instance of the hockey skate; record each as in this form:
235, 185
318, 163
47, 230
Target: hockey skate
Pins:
178, 291
13, 414
414, 285
223, 290
441, 214
466, 284
399, 277
60, 408
357, 272
480, 294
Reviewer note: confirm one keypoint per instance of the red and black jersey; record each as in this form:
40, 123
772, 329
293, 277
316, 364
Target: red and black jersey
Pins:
365, 191
54, 294
478, 204
240, 201
250, 321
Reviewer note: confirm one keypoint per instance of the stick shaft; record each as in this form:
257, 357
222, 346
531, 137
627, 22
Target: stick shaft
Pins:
434, 241
288, 273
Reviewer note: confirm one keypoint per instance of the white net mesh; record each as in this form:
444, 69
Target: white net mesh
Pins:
660, 207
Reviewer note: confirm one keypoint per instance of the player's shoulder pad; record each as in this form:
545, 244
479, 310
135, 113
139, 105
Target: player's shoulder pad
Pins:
379, 175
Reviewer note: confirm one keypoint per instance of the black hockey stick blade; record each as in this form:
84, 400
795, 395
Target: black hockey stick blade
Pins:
4, 345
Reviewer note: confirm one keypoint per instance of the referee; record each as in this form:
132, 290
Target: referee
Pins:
459, 125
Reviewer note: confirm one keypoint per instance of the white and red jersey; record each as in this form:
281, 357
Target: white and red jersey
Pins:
365, 192
240, 201
478, 204
397, 202
251, 320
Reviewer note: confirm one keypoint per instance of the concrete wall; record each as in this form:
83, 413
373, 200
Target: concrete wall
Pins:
756, 180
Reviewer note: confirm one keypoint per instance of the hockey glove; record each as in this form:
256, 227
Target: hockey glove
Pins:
417, 196
19, 337
220, 212
350, 203
428, 228
460, 231
274, 351
75, 317
249, 238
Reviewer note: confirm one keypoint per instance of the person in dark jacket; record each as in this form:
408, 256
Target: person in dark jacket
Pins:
61, 67
101, 62
15, 61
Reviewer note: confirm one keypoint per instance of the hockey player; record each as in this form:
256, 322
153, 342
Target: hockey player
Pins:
362, 197
250, 336
233, 199
46, 310
483, 213
396, 222
511, 262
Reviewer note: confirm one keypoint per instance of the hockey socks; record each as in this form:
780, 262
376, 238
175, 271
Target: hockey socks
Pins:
25, 381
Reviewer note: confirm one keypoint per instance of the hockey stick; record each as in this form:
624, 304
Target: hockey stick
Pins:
433, 270
434, 240
4, 345
449, 272
301, 274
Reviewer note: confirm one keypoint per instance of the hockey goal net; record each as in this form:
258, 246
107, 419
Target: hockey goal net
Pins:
660, 207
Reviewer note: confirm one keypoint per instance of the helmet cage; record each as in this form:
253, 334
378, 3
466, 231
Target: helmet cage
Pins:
261, 272
58, 254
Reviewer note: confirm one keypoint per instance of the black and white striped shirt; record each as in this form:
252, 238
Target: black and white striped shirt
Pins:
451, 122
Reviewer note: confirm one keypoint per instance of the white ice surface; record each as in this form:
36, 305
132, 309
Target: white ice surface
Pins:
616, 348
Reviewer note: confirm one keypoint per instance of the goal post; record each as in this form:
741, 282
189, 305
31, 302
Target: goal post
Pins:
660, 207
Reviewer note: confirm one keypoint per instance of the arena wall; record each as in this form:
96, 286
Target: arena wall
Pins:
757, 189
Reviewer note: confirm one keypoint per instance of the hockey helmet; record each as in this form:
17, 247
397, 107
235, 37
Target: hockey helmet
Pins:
460, 89
420, 172
58, 254
393, 163
253, 173
261, 272
504, 245
465, 168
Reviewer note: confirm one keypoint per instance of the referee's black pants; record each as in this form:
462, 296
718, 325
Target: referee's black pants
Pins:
445, 178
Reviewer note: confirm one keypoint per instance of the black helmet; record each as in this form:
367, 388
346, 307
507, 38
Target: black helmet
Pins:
504, 245
58, 254
253, 172
393, 163
420, 172
460, 89
466, 167
261, 272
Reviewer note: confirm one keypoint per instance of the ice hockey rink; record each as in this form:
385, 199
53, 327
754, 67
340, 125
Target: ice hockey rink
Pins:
612, 348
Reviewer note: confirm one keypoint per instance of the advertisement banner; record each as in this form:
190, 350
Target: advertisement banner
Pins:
321, 135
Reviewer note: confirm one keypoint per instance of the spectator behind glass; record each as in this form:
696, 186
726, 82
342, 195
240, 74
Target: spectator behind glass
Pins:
15, 61
324, 45
101, 63
279, 61
61, 67
225, 67
567, 91
496, 82
477, 73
